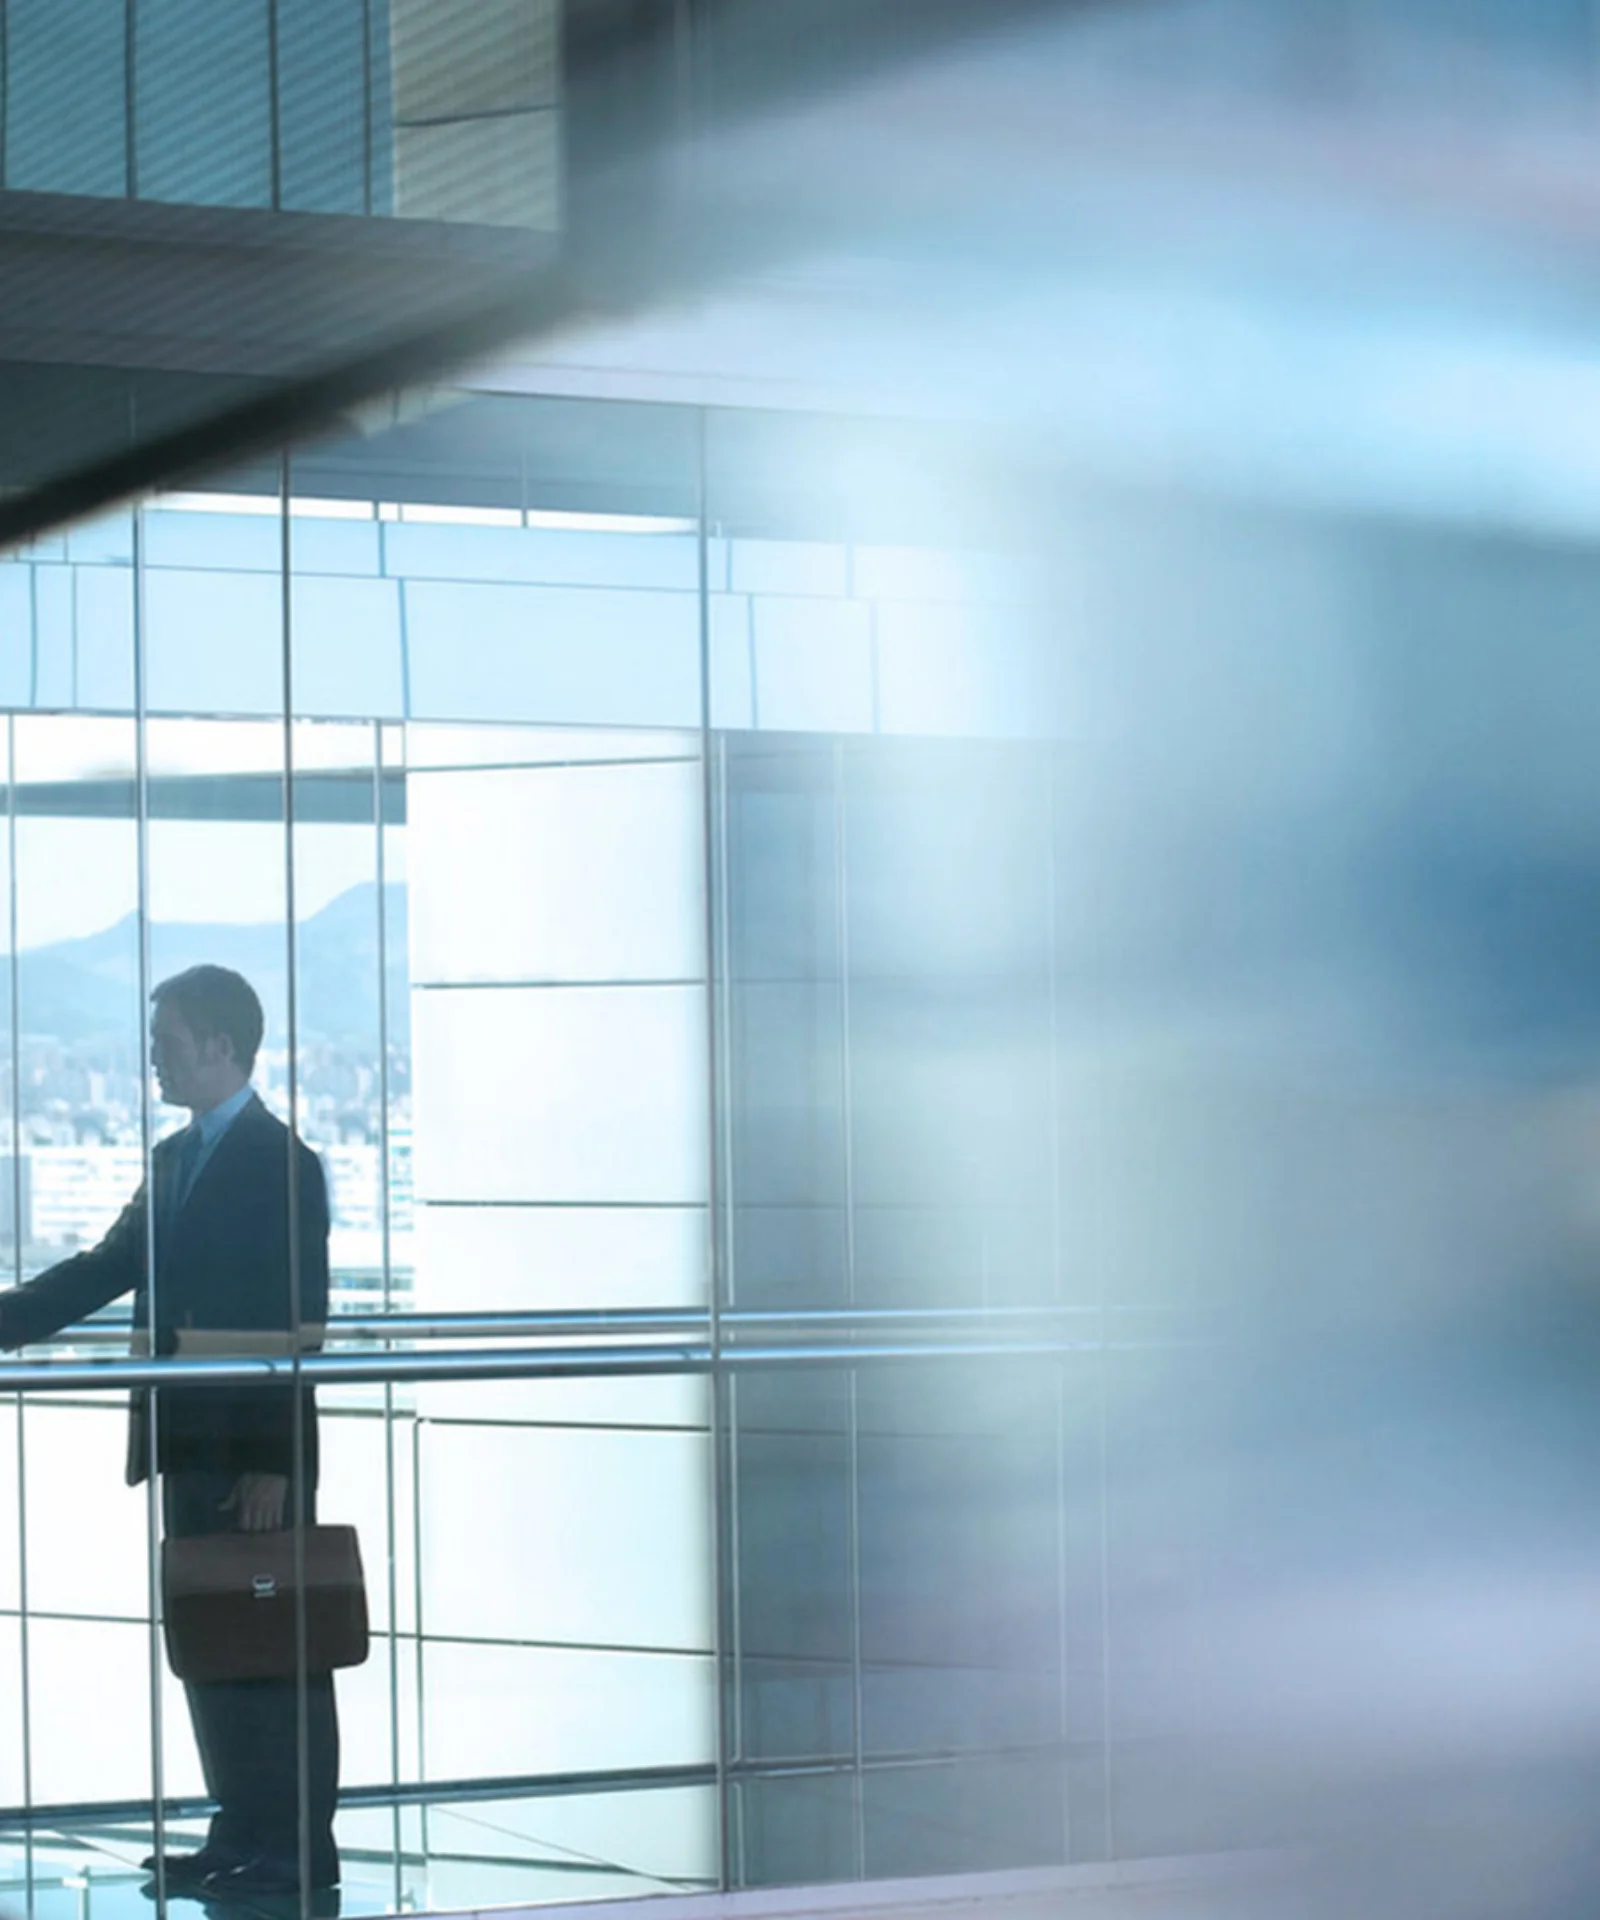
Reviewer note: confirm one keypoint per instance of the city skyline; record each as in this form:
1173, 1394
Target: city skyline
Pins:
78, 1113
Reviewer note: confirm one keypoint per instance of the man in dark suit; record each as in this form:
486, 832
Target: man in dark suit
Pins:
228, 1278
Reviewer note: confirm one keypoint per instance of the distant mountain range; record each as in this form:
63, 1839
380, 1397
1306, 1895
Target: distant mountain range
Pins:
87, 990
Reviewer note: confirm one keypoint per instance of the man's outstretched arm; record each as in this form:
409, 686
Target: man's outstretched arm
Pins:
73, 1289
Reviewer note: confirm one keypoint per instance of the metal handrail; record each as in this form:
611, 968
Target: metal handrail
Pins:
619, 1322
456, 1326
500, 1363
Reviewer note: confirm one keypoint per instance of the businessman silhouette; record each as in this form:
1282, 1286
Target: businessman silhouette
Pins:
215, 1268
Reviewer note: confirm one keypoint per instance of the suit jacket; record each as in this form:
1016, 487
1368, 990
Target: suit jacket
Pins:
221, 1285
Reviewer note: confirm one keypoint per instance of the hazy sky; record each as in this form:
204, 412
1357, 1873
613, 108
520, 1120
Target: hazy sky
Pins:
77, 876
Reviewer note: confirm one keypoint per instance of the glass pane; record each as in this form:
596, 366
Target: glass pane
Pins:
323, 126
890, 1021
78, 997
344, 928
973, 1817
78, 1117
13, 1781
240, 1222
16, 633
66, 97
203, 103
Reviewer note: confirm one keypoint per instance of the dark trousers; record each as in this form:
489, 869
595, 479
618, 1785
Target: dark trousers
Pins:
248, 1730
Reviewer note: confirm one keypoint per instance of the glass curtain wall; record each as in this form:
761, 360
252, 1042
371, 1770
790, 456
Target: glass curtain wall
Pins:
652, 837
913, 1644
366, 107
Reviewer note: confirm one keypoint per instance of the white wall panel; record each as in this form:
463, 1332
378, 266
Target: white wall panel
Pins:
790, 566
53, 637
542, 555
508, 1710
107, 541
584, 1538
89, 1699
237, 542
680, 1400
813, 665
732, 662
16, 635
598, 656
213, 641
529, 1259
557, 873
103, 674
436, 745
965, 671
590, 1094
346, 640
87, 1537
11, 1757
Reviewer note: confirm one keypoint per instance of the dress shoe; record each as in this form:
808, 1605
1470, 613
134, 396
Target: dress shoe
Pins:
261, 1877
188, 1869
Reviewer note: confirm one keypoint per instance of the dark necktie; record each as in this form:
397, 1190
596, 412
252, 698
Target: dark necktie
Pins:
188, 1161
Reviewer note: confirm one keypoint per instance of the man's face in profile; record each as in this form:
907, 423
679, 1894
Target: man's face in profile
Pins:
190, 1072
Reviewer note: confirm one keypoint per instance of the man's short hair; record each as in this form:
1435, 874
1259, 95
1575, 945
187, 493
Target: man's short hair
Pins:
213, 1000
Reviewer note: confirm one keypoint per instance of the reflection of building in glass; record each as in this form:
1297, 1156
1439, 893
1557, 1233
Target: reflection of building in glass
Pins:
72, 1194
77, 1193
16, 1200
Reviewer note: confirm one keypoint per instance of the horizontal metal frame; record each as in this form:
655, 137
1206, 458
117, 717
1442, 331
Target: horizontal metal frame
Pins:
407, 1794
531, 1363
658, 1320
539, 1786
340, 796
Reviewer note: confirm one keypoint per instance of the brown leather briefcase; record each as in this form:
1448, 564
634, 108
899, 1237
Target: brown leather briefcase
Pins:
229, 1603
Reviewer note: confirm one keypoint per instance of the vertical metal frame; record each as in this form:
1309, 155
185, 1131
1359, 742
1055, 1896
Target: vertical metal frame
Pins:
718, 1239
386, 1230
366, 121
153, 1528
130, 108
300, 1510
33, 636
1108, 1838
724, 1383
841, 884
420, 1643
275, 163
5, 87
25, 1694
1050, 784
